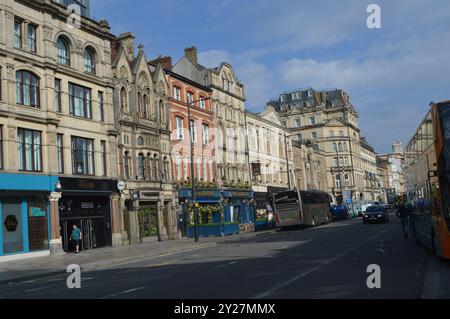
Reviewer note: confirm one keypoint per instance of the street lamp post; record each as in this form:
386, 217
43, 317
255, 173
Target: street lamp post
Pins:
191, 139
339, 171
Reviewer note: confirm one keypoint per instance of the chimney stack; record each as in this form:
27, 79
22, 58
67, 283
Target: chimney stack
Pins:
191, 54
127, 41
165, 61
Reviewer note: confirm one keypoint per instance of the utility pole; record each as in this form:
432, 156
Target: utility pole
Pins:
287, 160
340, 175
191, 139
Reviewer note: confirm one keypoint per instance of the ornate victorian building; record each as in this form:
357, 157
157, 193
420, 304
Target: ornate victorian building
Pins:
144, 159
57, 132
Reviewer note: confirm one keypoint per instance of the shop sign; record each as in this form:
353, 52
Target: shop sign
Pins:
87, 205
207, 194
237, 194
36, 212
11, 223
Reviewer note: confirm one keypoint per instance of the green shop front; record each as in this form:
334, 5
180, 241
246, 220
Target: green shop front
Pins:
25, 213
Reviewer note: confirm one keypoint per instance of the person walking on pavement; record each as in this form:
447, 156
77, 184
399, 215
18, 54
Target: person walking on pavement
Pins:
404, 213
76, 237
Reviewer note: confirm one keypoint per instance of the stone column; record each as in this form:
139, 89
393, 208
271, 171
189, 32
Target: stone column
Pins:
135, 237
116, 221
55, 232
161, 211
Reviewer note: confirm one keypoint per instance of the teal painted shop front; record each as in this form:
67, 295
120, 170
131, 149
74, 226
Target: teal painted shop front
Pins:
24, 212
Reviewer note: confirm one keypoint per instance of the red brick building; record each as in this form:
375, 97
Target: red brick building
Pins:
185, 93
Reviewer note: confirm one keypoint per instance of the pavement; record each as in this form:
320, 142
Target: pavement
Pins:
326, 262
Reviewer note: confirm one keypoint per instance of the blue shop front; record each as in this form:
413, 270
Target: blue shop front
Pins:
239, 206
212, 218
25, 213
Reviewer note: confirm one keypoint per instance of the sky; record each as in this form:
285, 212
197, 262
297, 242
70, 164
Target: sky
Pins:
391, 74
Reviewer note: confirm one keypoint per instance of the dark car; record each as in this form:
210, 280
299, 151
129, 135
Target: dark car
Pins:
376, 214
339, 212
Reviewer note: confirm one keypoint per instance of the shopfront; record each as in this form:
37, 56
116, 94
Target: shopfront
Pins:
239, 206
25, 213
208, 200
86, 203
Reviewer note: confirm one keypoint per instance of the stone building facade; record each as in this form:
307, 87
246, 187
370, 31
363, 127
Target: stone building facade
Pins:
143, 151
228, 97
329, 122
57, 123
270, 156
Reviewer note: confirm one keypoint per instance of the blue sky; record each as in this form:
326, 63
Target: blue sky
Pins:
391, 74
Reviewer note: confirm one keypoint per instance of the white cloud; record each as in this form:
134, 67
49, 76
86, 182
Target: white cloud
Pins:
213, 58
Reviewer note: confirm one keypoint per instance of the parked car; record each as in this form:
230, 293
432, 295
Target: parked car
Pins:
339, 212
376, 214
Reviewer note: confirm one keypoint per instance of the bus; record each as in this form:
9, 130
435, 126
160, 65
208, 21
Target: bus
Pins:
427, 174
296, 208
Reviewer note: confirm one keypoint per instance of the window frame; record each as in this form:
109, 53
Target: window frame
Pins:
58, 96
22, 144
18, 37
101, 107
21, 86
103, 159
32, 41
179, 127
89, 68
87, 109
62, 45
60, 152
86, 154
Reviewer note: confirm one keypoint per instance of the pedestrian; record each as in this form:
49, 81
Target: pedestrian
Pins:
76, 237
270, 219
404, 214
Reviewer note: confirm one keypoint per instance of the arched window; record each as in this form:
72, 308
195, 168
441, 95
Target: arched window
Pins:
27, 89
140, 141
89, 61
124, 100
162, 115
63, 51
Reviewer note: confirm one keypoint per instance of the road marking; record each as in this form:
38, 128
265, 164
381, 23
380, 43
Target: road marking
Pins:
227, 264
122, 293
158, 256
304, 274
36, 289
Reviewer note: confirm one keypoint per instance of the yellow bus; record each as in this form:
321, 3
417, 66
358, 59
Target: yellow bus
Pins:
427, 175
